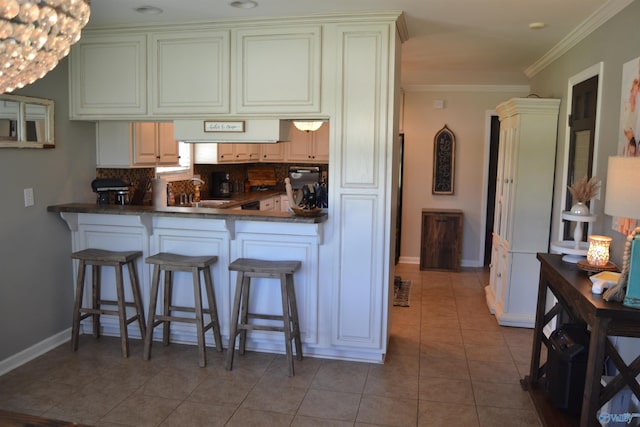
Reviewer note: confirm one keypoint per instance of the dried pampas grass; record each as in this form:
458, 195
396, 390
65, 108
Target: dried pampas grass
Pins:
585, 189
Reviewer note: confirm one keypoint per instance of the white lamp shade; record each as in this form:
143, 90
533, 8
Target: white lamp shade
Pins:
623, 178
308, 125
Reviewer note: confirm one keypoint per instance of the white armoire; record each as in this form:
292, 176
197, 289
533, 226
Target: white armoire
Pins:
522, 218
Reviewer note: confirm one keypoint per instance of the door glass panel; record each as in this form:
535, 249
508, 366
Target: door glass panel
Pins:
580, 167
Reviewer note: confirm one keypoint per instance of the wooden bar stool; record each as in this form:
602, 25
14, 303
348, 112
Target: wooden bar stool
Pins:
283, 270
98, 258
170, 263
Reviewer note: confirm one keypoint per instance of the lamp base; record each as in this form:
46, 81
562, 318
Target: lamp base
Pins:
631, 302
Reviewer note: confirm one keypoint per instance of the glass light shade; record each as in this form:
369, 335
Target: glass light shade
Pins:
35, 35
598, 253
308, 125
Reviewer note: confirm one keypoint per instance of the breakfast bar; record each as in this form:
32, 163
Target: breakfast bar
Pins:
226, 233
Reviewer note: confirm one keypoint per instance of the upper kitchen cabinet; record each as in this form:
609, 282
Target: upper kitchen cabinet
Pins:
108, 76
130, 145
212, 153
278, 69
189, 72
308, 147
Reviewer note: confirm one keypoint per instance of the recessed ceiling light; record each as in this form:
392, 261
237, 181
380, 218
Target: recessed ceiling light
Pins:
537, 25
244, 4
149, 10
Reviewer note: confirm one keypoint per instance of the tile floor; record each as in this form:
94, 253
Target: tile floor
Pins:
449, 364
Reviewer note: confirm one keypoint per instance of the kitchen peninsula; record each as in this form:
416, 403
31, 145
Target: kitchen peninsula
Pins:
343, 69
226, 233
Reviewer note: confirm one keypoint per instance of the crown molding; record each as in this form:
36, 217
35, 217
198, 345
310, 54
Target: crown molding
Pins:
466, 88
589, 25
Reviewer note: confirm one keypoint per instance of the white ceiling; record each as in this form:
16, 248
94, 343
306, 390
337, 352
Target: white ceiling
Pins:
478, 42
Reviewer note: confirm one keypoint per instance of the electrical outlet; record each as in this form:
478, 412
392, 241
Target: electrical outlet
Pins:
28, 197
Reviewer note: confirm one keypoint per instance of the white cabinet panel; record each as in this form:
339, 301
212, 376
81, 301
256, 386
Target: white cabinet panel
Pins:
364, 50
524, 192
278, 69
190, 72
108, 75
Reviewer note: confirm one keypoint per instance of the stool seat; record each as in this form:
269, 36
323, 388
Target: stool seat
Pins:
169, 263
247, 269
176, 262
252, 265
105, 256
98, 258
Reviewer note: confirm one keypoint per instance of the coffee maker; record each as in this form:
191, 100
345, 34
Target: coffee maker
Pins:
221, 185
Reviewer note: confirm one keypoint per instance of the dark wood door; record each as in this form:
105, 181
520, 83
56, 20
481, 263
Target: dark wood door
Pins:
582, 124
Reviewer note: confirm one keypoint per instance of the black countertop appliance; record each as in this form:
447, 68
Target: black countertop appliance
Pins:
111, 191
220, 185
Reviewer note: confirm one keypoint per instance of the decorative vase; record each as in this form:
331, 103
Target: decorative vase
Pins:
580, 209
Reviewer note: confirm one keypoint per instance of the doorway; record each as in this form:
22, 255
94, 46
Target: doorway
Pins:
494, 141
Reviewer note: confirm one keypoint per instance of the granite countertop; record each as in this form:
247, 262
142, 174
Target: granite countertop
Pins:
227, 212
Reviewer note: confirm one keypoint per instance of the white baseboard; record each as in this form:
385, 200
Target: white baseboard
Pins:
34, 351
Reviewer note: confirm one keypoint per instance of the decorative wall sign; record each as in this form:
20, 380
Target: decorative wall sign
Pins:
444, 156
219, 126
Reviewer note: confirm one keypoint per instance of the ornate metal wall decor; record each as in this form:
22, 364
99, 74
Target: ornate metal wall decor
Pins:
444, 156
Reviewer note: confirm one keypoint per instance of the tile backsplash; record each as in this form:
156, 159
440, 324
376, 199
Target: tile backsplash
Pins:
237, 173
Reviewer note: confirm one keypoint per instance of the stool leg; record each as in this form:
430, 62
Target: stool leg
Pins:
233, 325
168, 295
96, 290
244, 311
151, 317
213, 307
122, 314
294, 315
75, 328
197, 302
137, 298
287, 322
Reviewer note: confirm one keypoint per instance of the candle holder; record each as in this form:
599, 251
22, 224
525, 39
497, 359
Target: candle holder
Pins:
598, 253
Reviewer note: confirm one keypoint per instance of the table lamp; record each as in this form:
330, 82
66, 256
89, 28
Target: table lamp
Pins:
623, 200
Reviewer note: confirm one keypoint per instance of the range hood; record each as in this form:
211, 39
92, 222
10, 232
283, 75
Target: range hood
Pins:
232, 131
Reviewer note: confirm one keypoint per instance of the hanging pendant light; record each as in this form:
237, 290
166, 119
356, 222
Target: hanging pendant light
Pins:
35, 35
308, 125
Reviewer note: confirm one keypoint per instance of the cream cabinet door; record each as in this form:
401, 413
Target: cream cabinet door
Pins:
154, 145
145, 138
320, 152
278, 69
299, 145
108, 76
168, 151
308, 147
272, 152
189, 72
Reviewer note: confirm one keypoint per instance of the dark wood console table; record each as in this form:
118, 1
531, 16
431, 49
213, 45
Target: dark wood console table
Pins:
572, 288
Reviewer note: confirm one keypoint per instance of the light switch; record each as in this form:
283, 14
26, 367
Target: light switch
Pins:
28, 197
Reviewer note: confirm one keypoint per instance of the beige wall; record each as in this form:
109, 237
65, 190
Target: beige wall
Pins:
466, 112
613, 44
36, 289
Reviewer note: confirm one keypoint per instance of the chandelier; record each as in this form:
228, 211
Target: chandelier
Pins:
35, 35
